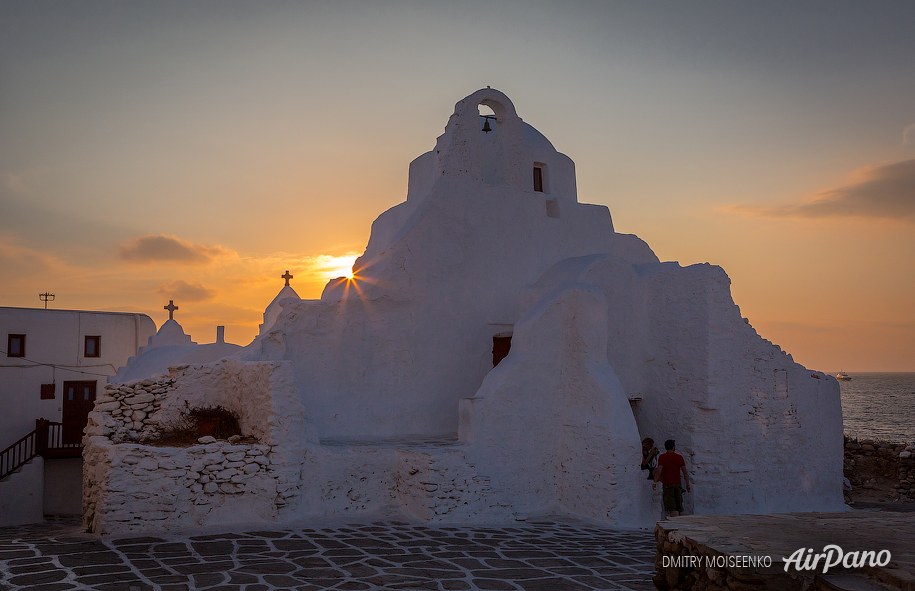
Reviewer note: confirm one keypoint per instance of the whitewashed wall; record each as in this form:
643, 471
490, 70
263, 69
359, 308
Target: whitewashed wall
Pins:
132, 486
57, 337
388, 365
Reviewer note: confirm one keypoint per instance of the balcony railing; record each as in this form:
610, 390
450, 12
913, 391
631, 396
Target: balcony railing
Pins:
49, 440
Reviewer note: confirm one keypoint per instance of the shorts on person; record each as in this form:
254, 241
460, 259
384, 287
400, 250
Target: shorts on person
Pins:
673, 497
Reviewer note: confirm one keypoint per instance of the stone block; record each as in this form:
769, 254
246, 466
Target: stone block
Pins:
148, 464
142, 398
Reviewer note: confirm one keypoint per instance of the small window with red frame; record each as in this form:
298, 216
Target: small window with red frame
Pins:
15, 345
93, 347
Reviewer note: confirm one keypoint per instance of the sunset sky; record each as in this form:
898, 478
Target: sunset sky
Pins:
195, 151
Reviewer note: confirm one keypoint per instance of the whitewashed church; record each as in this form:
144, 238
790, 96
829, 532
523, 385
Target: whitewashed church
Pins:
498, 355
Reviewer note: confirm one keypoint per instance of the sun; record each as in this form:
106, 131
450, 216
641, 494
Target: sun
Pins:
335, 267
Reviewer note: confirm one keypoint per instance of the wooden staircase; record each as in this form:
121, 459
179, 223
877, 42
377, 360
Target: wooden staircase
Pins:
47, 440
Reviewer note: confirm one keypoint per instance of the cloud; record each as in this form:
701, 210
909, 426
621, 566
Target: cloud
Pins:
186, 292
20, 260
883, 192
21, 184
908, 134
155, 248
15, 184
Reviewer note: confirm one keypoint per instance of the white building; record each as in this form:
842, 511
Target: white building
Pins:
49, 352
54, 363
382, 397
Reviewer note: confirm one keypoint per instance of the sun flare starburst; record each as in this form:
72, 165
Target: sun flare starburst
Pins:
333, 267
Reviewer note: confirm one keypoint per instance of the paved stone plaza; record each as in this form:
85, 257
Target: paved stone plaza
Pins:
532, 556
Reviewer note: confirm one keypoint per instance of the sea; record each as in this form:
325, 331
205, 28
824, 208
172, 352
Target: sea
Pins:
879, 406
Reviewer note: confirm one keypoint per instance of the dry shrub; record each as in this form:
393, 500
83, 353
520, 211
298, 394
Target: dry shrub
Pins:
194, 423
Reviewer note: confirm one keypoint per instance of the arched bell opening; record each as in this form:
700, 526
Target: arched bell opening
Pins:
492, 141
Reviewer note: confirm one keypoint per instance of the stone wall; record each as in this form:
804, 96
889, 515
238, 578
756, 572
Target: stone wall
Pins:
140, 487
881, 466
125, 411
442, 486
130, 485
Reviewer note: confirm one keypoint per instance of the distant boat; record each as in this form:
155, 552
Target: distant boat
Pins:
843, 377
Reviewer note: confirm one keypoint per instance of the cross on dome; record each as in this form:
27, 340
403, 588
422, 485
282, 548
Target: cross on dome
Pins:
287, 277
171, 307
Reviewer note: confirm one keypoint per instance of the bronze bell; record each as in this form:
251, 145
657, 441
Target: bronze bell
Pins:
486, 127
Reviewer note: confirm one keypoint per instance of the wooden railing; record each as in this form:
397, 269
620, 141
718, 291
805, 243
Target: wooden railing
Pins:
47, 440
16, 455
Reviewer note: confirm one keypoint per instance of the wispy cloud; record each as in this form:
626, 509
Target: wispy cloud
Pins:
184, 291
908, 134
16, 259
155, 248
885, 192
22, 183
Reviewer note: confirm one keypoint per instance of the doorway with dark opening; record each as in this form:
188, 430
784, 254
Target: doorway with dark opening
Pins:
79, 399
501, 345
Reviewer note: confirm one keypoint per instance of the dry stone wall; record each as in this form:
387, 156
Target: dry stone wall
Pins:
443, 486
126, 411
140, 487
883, 467
130, 485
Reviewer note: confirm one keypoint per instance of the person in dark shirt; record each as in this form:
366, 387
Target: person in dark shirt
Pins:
670, 466
649, 456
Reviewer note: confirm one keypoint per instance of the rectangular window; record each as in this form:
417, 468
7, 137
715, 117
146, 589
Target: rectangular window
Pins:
15, 345
93, 347
538, 179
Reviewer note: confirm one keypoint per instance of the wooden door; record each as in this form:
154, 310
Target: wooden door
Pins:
79, 398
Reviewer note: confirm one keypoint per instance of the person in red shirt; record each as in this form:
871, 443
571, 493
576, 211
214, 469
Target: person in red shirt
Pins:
670, 465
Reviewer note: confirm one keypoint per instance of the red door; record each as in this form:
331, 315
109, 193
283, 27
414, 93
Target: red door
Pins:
79, 398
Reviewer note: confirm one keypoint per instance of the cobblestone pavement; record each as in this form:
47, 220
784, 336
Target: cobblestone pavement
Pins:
535, 556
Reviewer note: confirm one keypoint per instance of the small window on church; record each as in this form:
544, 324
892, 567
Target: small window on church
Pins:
538, 179
15, 345
93, 347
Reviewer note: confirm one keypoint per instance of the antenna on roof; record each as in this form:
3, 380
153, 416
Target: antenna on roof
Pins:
46, 297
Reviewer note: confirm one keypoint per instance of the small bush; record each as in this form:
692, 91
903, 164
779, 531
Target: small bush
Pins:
194, 423
215, 420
